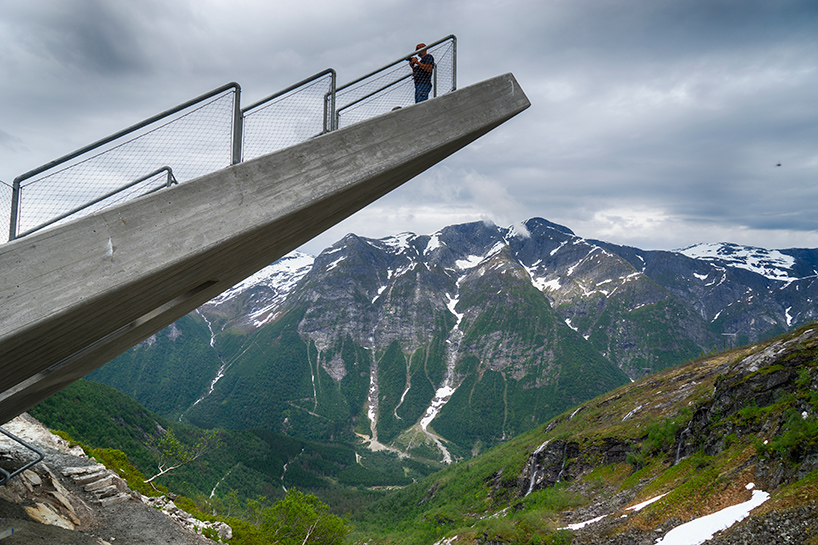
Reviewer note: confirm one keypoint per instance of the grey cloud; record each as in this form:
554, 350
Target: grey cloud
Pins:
640, 108
92, 36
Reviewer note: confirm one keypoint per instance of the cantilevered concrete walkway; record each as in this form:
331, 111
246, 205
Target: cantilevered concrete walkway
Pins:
77, 295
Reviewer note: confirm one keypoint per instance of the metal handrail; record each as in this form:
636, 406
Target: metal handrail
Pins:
373, 93
400, 60
40, 455
290, 88
15, 197
171, 179
336, 117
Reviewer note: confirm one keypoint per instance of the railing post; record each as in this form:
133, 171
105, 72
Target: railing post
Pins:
454, 62
332, 98
15, 209
238, 119
329, 105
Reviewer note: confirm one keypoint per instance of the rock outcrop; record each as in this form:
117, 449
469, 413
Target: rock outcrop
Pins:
73, 500
746, 418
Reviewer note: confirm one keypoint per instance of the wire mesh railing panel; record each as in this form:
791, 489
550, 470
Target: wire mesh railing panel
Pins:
393, 87
5, 206
193, 142
287, 118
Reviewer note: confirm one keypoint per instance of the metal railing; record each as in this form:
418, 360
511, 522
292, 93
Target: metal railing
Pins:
121, 194
392, 86
267, 124
5, 476
194, 138
205, 134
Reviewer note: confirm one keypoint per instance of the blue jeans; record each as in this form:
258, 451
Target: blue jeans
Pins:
422, 91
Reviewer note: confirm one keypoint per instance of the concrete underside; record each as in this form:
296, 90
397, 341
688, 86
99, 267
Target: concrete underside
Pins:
77, 295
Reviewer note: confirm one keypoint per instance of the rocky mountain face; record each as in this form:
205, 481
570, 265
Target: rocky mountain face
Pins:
439, 346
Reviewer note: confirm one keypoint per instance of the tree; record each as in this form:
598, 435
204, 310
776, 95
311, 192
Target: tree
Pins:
301, 519
173, 454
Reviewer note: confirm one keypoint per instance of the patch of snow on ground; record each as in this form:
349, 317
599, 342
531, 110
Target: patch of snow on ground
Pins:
451, 304
540, 282
580, 525
496, 249
630, 414
442, 396
553, 285
640, 506
474, 260
335, 263
702, 529
469, 263
557, 249
403, 270
380, 291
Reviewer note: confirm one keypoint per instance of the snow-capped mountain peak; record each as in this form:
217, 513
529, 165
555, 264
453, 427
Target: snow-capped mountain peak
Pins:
771, 264
283, 274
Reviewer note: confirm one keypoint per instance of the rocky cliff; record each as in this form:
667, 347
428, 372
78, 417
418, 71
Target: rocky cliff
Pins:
73, 500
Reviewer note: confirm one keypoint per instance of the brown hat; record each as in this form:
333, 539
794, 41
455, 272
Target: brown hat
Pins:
420, 46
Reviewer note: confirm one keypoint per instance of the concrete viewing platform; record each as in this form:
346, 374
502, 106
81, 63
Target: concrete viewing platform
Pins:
76, 295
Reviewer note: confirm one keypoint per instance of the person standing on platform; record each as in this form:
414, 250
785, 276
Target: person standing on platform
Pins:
422, 72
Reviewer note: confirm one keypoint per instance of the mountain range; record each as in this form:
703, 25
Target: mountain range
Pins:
440, 346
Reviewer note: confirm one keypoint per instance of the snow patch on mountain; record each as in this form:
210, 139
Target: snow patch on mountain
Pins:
539, 279
770, 264
280, 278
335, 263
398, 243
283, 274
470, 262
433, 244
473, 261
558, 248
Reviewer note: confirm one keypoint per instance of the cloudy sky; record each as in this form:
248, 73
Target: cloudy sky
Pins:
654, 123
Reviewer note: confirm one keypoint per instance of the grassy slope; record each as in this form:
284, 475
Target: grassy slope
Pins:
484, 498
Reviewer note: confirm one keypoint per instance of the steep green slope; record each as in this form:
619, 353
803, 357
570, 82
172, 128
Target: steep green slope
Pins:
168, 372
690, 438
514, 382
245, 464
